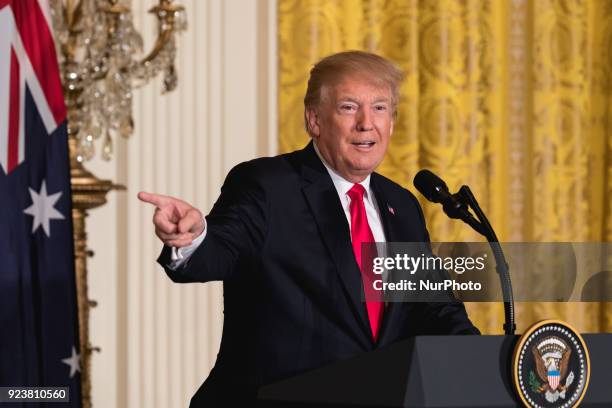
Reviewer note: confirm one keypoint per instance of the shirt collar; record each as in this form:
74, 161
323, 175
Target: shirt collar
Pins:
343, 185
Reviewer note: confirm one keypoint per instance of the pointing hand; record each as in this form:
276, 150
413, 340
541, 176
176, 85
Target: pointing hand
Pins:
177, 223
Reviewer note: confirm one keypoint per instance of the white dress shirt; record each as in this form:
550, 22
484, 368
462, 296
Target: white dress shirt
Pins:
182, 255
369, 200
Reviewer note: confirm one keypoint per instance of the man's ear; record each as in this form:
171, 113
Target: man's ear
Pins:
312, 121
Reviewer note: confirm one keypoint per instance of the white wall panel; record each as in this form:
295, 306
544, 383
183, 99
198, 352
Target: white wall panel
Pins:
160, 339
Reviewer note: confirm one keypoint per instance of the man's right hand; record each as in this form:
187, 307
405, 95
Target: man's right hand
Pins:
177, 223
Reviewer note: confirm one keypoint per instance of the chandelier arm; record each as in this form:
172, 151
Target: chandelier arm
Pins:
162, 40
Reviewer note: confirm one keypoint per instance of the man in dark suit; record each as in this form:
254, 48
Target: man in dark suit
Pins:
285, 237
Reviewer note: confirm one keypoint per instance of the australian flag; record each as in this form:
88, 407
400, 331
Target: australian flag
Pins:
39, 342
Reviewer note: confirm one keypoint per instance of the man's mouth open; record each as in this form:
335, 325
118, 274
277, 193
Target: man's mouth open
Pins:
366, 144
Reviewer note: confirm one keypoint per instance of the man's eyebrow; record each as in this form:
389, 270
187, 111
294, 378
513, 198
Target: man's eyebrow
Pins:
347, 99
351, 99
382, 99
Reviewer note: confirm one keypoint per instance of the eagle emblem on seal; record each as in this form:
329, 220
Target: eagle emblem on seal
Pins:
551, 356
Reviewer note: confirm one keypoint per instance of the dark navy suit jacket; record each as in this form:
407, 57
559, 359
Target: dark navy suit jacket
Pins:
279, 240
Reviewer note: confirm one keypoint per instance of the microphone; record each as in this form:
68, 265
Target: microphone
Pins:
435, 190
454, 205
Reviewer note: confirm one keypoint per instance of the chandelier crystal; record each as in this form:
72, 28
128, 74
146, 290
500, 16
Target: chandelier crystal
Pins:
102, 63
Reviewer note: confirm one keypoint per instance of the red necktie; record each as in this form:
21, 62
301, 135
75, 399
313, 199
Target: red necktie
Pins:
361, 233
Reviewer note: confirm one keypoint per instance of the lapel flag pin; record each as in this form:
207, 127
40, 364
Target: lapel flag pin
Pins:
391, 210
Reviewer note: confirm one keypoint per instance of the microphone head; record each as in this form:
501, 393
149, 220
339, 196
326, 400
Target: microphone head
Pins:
431, 186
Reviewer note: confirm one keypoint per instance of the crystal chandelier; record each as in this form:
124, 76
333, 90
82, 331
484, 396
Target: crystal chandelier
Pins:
100, 50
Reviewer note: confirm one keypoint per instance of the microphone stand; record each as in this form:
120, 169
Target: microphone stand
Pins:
465, 195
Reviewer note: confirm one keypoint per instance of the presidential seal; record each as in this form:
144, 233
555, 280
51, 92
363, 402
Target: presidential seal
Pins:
551, 366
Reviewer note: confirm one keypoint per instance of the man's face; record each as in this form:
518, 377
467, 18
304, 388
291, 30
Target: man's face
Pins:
352, 126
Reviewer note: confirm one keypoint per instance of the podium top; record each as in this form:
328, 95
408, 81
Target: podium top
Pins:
429, 371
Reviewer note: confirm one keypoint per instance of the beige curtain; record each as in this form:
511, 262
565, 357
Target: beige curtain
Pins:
509, 96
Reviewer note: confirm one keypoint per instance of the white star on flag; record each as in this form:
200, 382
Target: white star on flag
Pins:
73, 362
42, 208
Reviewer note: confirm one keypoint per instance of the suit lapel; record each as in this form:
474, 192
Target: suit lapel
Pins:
390, 224
327, 211
386, 210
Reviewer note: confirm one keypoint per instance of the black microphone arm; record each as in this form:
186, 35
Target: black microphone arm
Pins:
456, 206
500, 260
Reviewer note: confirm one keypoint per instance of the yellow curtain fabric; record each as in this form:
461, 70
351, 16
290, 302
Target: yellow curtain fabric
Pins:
512, 97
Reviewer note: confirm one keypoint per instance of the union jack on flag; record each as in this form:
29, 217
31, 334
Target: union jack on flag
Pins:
39, 342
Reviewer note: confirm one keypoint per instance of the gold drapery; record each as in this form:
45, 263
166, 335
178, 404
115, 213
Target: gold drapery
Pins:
512, 97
